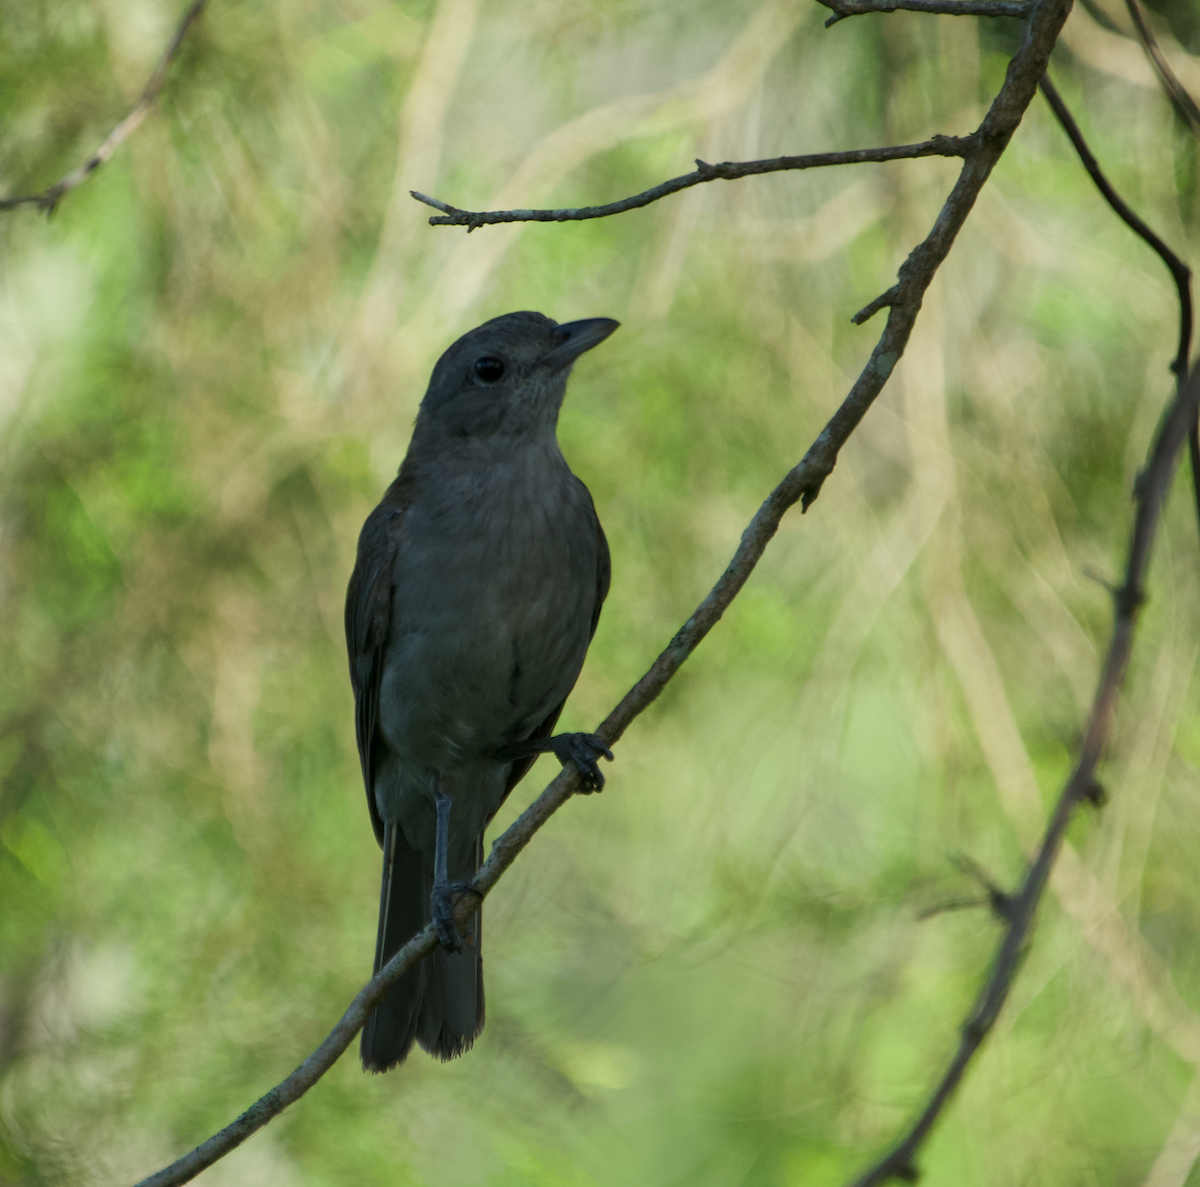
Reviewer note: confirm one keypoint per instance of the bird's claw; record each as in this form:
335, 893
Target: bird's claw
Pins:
441, 908
583, 750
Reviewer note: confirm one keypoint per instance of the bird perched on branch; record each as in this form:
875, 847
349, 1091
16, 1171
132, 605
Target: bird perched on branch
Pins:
476, 592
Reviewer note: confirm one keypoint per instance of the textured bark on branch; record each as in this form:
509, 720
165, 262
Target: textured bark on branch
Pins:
993, 8
937, 146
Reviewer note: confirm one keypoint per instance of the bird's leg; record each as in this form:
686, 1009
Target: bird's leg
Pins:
441, 902
582, 749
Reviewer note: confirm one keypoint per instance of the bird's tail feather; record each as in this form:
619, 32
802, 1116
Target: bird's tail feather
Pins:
439, 1003
452, 1012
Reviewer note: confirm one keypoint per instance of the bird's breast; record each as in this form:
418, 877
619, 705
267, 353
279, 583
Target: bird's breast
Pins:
494, 592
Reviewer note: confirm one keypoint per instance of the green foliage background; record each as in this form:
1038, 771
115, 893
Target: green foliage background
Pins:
714, 973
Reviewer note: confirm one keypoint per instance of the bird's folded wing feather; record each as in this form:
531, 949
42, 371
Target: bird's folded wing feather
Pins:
368, 618
520, 768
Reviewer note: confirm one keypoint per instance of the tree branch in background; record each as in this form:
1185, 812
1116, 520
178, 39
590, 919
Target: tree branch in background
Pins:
847, 8
1180, 272
1186, 107
1081, 787
1018, 910
1188, 110
452, 216
49, 199
802, 484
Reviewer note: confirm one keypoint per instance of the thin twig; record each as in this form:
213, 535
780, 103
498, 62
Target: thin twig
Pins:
452, 216
1188, 110
847, 8
1180, 272
802, 484
1181, 99
954, 904
48, 199
999, 900
1151, 494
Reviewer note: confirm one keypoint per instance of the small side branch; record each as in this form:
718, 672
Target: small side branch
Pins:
869, 310
847, 8
938, 146
49, 198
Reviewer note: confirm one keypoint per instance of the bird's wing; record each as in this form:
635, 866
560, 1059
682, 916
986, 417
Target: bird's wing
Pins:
368, 618
520, 768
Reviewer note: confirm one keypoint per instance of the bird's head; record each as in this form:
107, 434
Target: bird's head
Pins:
507, 376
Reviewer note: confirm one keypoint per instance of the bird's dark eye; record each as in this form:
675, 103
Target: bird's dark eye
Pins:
489, 370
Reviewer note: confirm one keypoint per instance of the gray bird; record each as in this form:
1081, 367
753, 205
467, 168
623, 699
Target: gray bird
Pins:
476, 592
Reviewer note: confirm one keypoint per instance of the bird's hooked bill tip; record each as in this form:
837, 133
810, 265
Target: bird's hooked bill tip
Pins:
575, 337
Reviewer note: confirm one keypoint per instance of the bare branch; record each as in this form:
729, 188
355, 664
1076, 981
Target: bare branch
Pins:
802, 484
48, 199
1083, 786
847, 8
1151, 494
1181, 99
938, 146
1188, 110
1180, 272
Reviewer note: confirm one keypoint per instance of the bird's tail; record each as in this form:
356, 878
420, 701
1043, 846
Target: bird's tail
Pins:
439, 1003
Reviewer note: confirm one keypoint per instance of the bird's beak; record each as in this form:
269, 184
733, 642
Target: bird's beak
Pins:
577, 336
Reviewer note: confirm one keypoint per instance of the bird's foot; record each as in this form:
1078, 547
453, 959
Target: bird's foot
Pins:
441, 909
583, 750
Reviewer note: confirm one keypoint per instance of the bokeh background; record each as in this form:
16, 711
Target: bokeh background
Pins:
717, 971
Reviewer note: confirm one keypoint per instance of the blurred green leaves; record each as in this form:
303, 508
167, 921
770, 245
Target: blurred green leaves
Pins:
209, 363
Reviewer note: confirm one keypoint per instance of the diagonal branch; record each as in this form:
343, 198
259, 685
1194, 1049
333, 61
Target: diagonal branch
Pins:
1081, 787
801, 484
847, 8
49, 198
452, 216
